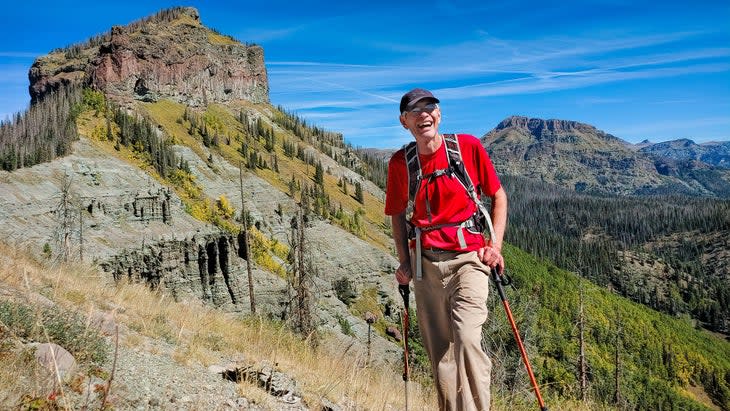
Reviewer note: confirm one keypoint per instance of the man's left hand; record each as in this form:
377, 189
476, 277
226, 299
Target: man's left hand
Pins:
491, 257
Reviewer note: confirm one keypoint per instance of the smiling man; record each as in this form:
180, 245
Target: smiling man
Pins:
432, 196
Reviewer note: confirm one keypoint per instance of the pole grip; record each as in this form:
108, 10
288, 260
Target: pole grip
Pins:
498, 282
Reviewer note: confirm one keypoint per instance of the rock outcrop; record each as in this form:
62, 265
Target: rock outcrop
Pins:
169, 55
716, 154
207, 267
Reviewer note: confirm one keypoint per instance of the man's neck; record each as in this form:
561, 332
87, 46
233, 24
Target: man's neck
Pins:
430, 146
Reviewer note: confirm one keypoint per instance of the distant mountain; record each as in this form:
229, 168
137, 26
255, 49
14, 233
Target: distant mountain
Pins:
581, 157
716, 154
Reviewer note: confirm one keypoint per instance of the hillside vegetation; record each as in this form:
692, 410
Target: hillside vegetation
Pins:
667, 252
636, 358
659, 360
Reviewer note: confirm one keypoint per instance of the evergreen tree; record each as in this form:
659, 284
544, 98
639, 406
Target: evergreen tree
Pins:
358, 193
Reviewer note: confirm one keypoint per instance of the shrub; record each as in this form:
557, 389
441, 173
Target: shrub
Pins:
52, 324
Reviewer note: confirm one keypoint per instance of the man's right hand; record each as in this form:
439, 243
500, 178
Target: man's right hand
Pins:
403, 273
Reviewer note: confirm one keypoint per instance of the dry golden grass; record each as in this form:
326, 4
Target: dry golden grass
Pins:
205, 335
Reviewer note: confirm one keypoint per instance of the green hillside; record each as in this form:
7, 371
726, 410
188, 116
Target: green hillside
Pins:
667, 252
663, 362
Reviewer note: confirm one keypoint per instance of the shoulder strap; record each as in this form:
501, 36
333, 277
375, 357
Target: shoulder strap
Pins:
414, 175
455, 161
453, 152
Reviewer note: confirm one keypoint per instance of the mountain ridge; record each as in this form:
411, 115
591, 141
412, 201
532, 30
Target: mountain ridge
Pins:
583, 158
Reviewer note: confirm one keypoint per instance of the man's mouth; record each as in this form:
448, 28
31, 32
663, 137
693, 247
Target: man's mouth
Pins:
425, 124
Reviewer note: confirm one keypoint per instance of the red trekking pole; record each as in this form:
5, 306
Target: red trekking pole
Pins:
405, 324
499, 281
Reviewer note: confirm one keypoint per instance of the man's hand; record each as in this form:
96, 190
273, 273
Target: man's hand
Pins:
403, 273
492, 257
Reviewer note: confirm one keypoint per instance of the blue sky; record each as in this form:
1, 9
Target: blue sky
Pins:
635, 69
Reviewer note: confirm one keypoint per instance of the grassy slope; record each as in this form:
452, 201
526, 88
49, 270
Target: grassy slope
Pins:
200, 334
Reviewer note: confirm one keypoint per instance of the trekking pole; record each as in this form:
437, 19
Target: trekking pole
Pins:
405, 324
499, 281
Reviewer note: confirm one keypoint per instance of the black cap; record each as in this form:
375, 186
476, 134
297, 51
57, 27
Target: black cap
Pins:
414, 96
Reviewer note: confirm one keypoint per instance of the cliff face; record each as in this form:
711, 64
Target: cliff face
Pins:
171, 56
210, 267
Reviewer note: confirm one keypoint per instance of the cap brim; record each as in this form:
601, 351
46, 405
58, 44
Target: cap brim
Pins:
414, 102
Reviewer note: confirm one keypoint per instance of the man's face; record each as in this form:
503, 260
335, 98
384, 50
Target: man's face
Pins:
423, 121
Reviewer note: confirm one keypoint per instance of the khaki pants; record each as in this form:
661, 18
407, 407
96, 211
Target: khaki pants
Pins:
451, 306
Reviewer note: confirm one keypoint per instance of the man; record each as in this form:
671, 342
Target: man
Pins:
451, 278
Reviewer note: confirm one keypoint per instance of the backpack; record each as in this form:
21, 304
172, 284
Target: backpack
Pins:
479, 220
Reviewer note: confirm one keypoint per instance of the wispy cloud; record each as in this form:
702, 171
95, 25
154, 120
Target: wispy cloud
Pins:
500, 67
680, 128
265, 35
488, 66
20, 54
565, 81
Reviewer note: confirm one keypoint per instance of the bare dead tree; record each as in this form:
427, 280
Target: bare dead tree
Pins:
247, 241
81, 234
302, 273
582, 377
617, 361
65, 214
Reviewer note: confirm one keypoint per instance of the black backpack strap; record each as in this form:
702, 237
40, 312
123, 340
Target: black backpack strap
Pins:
456, 163
413, 164
453, 152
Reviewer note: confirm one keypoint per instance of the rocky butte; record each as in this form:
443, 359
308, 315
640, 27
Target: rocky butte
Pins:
171, 55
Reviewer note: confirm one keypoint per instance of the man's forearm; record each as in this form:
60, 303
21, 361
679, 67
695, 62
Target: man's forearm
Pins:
400, 236
499, 217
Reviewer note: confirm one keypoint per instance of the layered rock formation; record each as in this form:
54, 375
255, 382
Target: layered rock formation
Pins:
170, 55
208, 267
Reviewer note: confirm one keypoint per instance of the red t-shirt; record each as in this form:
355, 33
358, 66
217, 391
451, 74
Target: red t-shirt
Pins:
448, 199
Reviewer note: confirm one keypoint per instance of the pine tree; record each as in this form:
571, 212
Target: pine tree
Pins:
358, 193
319, 174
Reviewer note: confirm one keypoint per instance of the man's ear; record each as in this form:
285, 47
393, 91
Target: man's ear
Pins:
403, 121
